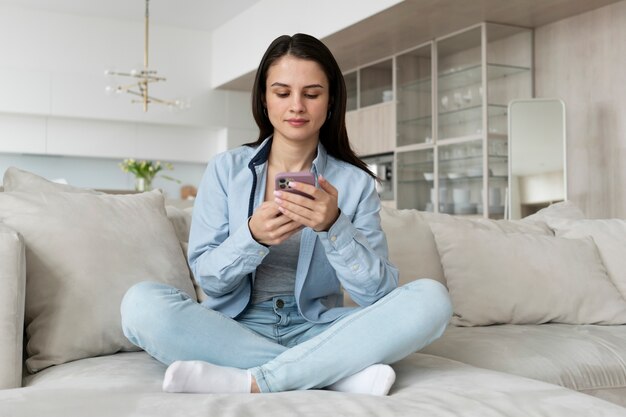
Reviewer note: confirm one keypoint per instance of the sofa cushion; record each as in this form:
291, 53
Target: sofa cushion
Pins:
83, 251
584, 358
497, 277
12, 282
609, 236
129, 384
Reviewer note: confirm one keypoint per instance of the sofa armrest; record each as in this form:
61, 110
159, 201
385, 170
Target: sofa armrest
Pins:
12, 297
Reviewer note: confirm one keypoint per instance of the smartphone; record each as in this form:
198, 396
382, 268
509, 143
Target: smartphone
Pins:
282, 180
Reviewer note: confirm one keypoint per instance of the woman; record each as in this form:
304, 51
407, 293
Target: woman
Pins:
273, 263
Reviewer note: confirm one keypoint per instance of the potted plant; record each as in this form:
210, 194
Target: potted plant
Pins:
145, 171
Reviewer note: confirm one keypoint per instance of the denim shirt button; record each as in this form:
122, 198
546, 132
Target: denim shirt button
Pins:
333, 238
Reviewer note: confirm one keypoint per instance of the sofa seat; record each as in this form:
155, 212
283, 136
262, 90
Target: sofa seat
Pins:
586, 358
130, 384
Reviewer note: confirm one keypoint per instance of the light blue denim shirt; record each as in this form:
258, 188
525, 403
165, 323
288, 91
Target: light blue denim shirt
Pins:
223, 255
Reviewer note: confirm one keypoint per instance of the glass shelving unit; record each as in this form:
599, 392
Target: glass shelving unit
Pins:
458, 118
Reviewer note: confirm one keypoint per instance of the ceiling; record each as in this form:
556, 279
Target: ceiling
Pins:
188, 14
412, 22
396, 29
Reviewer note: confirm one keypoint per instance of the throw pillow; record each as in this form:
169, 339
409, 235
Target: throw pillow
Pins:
522, 278
18, 180
609, 236
83, 251
561, 210
181, 220
505, 226
411, 245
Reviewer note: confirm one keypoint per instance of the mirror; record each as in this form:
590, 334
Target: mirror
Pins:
537, 166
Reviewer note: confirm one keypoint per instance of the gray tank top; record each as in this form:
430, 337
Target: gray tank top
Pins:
276, 275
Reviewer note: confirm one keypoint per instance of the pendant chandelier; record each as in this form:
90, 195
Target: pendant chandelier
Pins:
142, 79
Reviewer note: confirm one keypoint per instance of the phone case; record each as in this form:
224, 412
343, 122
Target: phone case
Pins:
282, 181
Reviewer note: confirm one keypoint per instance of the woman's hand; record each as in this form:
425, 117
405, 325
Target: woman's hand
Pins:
269, 227
319, 214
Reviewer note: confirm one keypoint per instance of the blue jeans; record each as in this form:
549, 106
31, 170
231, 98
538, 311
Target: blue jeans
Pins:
281, 348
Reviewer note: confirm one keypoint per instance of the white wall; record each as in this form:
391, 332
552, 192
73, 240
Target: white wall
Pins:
52, 99
242, 41
53, 64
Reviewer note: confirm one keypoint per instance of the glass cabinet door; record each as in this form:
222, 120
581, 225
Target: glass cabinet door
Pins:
459, 85
497, 182
414, 97
415, 179
509, 61
461, 177
376, 83
351, 91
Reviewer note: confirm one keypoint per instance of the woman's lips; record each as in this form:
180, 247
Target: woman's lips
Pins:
297, 122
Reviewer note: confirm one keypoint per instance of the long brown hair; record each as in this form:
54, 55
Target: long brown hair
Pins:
333, 134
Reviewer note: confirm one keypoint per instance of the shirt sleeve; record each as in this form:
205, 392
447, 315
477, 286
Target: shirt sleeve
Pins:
357, 250
220, 258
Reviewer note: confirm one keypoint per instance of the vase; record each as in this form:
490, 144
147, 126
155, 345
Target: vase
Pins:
143, 184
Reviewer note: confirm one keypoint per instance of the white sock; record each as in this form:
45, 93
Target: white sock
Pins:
373, 380
203, 377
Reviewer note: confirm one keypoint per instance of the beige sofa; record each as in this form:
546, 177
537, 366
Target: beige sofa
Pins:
67, 255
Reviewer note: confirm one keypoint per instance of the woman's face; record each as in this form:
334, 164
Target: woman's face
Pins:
296, 96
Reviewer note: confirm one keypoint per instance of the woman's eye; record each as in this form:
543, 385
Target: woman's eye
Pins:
282, 95
311, 95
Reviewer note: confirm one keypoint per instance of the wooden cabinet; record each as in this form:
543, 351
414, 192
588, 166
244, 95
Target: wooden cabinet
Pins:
370, 120
371, 129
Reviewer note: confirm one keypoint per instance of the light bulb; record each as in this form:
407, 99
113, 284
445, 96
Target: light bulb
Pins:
182, 103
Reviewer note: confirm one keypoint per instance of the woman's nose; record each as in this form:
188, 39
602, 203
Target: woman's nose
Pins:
297, 105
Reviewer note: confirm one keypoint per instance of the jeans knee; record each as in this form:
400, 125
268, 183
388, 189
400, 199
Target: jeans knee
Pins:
138, 303
435, 296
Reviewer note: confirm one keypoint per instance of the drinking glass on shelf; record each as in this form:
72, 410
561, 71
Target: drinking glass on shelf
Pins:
444, 102
458, 99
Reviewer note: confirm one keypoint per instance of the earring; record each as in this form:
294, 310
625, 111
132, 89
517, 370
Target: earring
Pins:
265, 111
329, 114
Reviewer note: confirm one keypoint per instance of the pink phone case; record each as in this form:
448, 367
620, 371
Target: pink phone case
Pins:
282, 180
